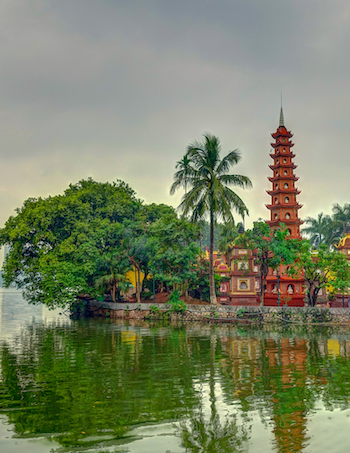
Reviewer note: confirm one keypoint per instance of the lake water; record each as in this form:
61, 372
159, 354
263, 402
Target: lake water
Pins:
101, 385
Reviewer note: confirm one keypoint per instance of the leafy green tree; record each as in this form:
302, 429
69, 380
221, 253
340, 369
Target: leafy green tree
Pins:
113, 269
326, 268
66, 246
138, 249
209, 192
198, 284
175, 252
271, 248
229, 232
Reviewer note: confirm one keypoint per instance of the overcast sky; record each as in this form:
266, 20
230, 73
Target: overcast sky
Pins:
117, 89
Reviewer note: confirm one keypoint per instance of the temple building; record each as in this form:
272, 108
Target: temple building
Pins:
344, 243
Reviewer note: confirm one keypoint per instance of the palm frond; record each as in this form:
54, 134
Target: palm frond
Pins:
236, 180
232, 158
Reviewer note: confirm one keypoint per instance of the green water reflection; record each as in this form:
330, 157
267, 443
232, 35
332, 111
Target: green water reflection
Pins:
100, 384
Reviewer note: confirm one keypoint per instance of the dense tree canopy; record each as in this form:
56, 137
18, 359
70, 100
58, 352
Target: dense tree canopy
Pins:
84, 242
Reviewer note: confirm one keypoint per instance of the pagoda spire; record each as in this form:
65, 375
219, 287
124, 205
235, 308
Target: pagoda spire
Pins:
281, 118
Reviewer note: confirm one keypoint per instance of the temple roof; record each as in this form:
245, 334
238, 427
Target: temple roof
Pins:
345, 241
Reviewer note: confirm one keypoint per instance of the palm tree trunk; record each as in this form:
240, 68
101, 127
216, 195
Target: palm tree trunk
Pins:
211, 262
113, 292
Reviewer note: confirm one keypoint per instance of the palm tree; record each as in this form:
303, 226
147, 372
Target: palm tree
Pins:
184, 169
209, 193
320, 230
341, 216
229, 233
113, 275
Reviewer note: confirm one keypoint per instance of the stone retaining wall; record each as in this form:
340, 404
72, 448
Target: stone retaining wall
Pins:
223, 314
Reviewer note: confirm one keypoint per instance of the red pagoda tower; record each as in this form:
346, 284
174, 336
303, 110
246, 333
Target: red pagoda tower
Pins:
284, 206
284, 209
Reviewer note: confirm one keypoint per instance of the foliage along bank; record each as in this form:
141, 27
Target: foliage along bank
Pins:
85, 241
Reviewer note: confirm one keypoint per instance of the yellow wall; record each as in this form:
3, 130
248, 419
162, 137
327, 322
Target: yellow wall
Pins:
132, 276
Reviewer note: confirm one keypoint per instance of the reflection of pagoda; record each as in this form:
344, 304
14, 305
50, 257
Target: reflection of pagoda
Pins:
284, 209
287, 358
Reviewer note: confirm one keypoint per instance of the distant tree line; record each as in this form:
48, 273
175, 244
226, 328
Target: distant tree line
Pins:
327, 229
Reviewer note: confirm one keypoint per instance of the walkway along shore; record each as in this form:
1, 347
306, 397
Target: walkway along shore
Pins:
222, 314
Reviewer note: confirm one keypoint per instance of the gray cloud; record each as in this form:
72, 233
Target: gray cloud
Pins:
116, 89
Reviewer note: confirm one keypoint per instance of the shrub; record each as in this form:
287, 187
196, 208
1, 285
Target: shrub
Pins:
177, 305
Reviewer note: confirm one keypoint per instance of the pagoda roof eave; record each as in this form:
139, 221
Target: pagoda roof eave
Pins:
287, 145
284, 205
274, 167
284, 177
275, 155
282, 131
285, 221
286, 191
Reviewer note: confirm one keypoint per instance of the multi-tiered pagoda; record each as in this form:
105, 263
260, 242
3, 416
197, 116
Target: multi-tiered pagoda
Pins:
284, 209
284, 206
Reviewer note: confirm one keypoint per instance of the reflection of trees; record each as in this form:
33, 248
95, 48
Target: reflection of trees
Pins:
200, 435
214, 433
94, 377
88, 378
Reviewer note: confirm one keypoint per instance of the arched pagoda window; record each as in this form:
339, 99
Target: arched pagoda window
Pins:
286, 185
276, 216
276, 200
285, 172
287, 216
286, 200
290, 289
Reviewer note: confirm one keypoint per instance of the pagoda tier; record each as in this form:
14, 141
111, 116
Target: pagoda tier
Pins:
284, 177
281, 144
282, 190
279, 205
282, 132
290, 221
275, 166
282, 154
